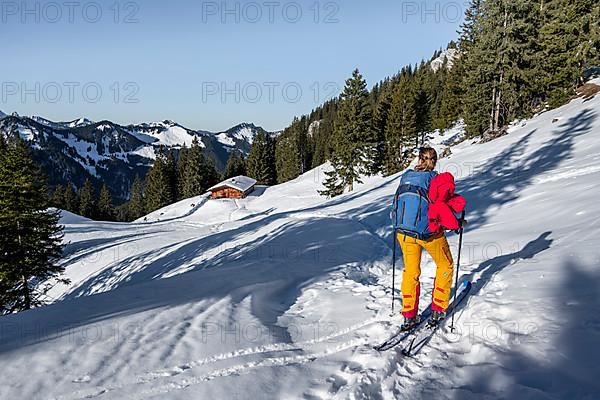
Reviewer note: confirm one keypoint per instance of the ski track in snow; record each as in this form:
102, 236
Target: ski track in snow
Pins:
237, 369
142, 384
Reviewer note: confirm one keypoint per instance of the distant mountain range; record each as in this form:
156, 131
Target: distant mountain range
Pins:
106, 152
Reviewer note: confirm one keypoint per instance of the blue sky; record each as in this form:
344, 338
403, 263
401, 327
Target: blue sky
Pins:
207, 65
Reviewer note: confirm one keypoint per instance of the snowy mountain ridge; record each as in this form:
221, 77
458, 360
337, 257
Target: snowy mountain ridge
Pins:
106, 152
447, 56
283, 294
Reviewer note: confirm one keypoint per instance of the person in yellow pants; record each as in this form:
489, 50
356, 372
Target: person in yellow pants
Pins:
439, 250
423, 192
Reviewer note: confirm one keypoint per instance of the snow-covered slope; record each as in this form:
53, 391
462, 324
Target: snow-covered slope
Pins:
177, 210
282, 294
165, 133
240, 137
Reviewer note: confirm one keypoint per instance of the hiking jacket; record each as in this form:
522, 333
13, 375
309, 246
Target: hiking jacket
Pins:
444, 203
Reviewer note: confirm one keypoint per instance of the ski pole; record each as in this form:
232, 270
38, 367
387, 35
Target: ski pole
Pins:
460, 237
393, 271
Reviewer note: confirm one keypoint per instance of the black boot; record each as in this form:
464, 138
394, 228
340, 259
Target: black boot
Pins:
409, 323
436, 318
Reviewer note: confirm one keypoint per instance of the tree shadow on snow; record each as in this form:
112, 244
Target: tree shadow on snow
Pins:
502, 178
570, 333
489, 268
270, 272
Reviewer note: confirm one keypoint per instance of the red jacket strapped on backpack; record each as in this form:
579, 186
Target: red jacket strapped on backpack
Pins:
444, 203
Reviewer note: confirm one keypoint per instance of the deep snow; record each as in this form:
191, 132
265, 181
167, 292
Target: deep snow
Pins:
282, 294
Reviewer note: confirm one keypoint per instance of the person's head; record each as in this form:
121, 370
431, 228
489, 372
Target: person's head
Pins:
427, 159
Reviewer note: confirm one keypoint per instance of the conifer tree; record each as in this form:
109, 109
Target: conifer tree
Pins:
106, 211
322, 138
235, 165
30, 234
87, 200
469, 29
567, 45
122, 213
212, 176
171, 171
261, 160
380, 119
354, 141
594, 36
304, 144
231, 166
241, 165
500, 79
3, 144
451, 95
475, 110
159, 184
436, 82
288, 160
58, 197
322, 135
334, 186
401, 127
181, 171
136, 200
71, 200
289, 149
423, 92
195, 172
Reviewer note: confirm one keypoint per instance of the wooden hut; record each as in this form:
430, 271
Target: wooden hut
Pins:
233, 188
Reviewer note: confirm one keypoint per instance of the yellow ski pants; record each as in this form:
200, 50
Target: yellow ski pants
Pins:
439, 250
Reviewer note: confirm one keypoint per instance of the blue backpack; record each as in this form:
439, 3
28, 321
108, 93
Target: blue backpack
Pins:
411, 205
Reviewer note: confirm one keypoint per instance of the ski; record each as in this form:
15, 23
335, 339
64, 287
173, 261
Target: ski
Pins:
400, 336
421, 336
